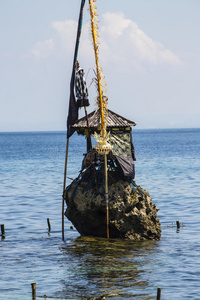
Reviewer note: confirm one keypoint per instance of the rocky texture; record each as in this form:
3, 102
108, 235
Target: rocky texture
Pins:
131, 212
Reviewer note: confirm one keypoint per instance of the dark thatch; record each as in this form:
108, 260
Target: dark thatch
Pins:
113, 121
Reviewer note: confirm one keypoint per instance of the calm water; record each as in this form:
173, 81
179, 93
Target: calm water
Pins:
31, 179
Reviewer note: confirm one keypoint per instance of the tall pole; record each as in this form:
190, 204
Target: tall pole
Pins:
73, 110
106, 195
102, 146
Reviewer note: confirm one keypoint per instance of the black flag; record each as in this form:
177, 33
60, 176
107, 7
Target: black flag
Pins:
73, 107
81, 87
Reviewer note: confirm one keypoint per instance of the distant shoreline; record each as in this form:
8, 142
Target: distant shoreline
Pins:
64, 131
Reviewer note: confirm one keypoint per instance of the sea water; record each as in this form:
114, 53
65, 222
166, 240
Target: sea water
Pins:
31, 185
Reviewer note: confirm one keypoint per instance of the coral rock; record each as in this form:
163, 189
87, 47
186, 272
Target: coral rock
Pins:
131, 212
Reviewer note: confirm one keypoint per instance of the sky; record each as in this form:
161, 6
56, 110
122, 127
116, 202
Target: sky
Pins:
149, 52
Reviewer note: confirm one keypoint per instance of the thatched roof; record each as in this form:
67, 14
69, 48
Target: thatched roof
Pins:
113, 121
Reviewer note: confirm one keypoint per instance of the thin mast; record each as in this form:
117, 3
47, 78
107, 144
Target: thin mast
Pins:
73, 110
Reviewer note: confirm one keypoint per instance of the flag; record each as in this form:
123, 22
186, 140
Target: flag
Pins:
81, 87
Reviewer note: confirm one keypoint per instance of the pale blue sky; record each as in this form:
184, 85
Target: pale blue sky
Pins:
149, 51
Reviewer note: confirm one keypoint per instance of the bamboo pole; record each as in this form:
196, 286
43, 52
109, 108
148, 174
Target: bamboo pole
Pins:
64, 186
71, 91
103, 123
106, 195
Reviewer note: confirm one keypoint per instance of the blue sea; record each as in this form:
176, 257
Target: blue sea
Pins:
31, 185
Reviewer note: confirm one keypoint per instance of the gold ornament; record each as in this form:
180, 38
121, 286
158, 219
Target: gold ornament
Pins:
102, 147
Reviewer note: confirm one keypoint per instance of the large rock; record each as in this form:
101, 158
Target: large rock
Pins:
131, 212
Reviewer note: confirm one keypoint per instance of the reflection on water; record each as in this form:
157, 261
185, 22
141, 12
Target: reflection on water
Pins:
115, 268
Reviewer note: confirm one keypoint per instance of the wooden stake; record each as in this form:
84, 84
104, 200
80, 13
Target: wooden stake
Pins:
2, 230
178, 224
158, 293
49, 225
33, 290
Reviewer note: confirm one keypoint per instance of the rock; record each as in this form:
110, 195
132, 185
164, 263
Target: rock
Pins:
131, 212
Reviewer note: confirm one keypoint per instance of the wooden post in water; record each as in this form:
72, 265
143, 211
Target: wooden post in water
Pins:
158, 293
2, 230
178, 224
49, 225
33, 284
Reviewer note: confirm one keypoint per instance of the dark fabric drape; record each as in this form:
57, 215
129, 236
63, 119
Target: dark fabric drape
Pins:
123, 150
73, 107
127, 165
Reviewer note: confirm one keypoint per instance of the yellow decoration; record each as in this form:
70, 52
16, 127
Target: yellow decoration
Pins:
103, 146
